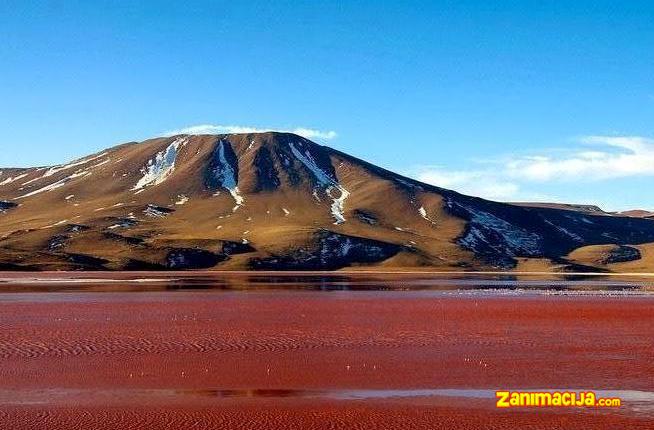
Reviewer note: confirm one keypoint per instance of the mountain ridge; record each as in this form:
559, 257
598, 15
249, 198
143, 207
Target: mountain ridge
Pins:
277, 201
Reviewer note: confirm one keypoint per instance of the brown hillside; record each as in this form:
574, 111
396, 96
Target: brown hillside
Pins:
277, 201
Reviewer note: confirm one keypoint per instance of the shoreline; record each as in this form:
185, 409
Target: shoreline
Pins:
191, 273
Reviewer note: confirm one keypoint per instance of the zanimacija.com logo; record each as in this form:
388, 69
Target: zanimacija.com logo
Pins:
513, 399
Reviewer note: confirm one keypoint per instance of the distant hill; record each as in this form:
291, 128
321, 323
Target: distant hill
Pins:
277, 201
590, 209
638, 213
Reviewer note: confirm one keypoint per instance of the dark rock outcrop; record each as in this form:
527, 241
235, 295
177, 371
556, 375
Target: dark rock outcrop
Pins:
87, 262
130, 240
233, 248
5, 206
266, 174
191, 258
157, 211
333, 251
621, 254
366, 216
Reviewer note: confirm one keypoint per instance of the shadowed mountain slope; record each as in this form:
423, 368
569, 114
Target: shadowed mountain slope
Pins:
277, 201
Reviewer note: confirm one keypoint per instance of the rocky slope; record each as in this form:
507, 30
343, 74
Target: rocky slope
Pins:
276, 201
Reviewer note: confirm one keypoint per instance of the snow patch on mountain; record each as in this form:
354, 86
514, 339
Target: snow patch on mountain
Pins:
57, 224
60, 183
565, 231
123, 223
338, 204
493, 237
161, 166
56, 169
101, 163
517, 239
13, 179
324, 179
225, 174
157, 211
423, 213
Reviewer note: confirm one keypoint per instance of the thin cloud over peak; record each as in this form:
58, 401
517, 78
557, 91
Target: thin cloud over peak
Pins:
229, 129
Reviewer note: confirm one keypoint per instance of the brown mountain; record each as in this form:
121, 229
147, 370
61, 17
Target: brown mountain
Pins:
638, 213
278, 201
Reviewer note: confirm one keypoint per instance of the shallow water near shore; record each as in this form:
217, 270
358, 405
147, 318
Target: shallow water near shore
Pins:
243, 281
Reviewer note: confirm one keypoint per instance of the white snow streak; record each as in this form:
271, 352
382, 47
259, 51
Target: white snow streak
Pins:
62, 222
10, 179
227, 177
101, 163
565, 231
160, 167
181, 199
51, 171
423, 213
125, 223
338, 203
310, 163
60, 183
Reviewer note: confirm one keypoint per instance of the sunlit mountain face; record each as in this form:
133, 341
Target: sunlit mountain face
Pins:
277, 201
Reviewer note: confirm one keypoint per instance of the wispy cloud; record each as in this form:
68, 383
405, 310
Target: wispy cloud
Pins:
488, 184
229, 129
473, 182
614, 157
591, 159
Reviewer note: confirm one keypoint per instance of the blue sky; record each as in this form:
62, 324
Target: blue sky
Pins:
512, 100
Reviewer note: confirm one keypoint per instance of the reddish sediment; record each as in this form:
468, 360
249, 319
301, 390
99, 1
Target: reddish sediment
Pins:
160, 360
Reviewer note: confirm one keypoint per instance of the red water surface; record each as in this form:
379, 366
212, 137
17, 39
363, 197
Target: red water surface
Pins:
169, 360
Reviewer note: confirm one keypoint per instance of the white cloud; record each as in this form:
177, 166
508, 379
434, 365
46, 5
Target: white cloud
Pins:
477, 183
622, 156
480, 183
514, 177
229, 129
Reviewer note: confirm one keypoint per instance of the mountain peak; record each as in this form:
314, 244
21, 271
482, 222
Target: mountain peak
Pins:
276, 200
